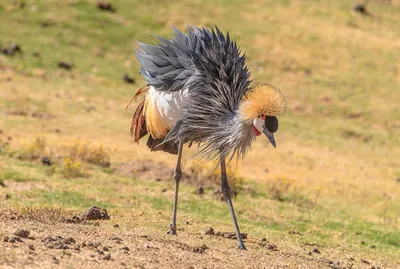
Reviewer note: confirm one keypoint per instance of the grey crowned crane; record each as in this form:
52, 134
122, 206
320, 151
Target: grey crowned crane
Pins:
198, 91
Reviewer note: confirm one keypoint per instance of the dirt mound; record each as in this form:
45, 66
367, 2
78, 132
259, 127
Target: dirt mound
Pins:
93, 213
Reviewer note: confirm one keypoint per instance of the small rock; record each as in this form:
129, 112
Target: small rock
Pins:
163, 190
105, 248
14, 239
116, 238
100, 252
127, 79
201, 249
209, 231
106, 6
46, 161
373, 246
5, 239
22, 233
116, 225
365, 261
31, 247
65, 65
107, 257
93, 244
12, 49
200, 190
272, 247
54, 260
230, 235
147, 246
263, 239
315, 250
360, 8
125, 248
90, 109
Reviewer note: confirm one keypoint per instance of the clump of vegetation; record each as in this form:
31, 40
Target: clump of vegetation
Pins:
71, 168
32, 151
73, 157
279, 188
41, 213
12, 175
85, 152
4, 146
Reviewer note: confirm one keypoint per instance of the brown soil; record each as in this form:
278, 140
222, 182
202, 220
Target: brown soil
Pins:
109, 245
162, 172
24, 185
145, 169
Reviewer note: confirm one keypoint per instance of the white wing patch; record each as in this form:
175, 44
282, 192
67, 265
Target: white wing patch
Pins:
169, 104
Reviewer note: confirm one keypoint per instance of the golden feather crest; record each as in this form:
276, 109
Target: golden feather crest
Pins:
262, 99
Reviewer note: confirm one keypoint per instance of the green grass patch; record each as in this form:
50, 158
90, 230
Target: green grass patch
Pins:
14, 176
65, 198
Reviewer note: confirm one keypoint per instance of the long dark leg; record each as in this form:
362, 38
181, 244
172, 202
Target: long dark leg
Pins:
177, 178
227, 193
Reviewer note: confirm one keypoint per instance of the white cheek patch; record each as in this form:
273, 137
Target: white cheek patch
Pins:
258, 123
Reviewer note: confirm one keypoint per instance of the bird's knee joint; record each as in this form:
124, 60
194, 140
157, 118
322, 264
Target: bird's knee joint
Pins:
226, 189
178, 175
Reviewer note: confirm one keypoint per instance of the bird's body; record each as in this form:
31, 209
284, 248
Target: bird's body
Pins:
199, 92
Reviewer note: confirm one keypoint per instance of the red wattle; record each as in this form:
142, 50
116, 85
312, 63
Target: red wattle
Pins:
257, 132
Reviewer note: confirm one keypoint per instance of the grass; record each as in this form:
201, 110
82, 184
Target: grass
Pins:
332, 178
13, 175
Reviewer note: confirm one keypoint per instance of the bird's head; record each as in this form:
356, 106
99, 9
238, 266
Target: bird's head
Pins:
260, 106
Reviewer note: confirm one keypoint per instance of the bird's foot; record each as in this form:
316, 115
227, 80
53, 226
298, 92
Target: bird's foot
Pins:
242, 246
172, 230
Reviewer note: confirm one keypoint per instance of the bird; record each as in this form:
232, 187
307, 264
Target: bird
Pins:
198, 91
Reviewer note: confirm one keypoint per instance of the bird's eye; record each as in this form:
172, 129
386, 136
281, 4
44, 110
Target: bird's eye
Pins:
271, 123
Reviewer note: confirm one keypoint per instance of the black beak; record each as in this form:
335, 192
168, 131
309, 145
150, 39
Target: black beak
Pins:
270, 136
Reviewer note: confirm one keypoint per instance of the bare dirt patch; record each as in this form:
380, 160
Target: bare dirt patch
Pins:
24, 185
194, 173
84, 246
145, 169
